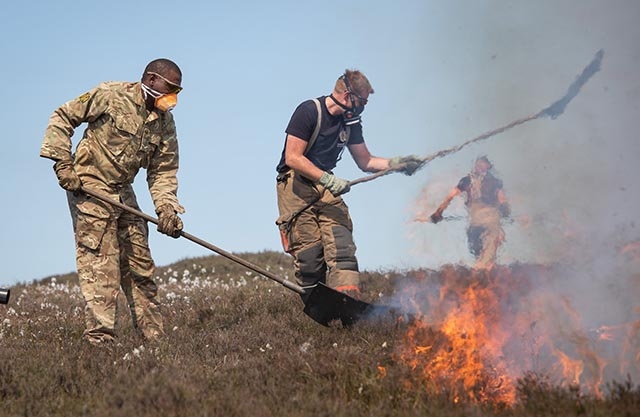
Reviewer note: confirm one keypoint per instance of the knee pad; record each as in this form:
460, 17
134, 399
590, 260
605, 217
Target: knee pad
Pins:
311, 265
345, 249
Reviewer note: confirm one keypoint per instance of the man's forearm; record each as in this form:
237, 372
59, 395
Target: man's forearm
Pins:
304, 167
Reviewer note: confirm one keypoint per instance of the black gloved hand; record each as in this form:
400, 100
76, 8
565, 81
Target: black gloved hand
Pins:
67, 177
168, 221
505, 210
436, 216
405, 164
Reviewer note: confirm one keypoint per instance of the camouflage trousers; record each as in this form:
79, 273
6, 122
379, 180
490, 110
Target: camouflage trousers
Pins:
485, 235
319, 238
112, 254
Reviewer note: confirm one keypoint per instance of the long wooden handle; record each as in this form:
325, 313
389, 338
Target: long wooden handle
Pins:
445, 152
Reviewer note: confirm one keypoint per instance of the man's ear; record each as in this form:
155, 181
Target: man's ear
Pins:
150, 80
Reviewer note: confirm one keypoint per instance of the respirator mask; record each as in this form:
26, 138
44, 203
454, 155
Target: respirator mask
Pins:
163, 102
351, 114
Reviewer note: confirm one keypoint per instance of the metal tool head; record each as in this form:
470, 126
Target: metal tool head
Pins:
4, 295
326, 306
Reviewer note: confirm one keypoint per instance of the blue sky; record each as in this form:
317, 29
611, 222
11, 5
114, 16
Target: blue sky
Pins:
443, 72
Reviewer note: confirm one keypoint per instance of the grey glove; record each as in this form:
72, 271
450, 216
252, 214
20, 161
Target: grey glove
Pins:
168, 221
406, 164
334, 184
67, 177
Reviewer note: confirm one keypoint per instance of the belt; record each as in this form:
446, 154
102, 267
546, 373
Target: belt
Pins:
284, 176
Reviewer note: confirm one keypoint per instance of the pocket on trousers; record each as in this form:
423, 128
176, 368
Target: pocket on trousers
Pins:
286, 236
91, 224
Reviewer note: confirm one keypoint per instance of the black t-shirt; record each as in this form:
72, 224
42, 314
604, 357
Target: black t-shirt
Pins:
328, 147
488, 189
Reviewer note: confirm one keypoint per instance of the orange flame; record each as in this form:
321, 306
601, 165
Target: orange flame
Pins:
571, 369
464, 350
478, 332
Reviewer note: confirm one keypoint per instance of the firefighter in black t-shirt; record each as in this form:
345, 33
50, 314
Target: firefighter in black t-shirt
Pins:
486, 203
314, 221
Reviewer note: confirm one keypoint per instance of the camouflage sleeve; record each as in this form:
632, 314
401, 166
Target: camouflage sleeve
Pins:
88, 107
163, 168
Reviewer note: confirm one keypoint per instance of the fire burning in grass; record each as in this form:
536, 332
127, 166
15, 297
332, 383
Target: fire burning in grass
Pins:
478, 332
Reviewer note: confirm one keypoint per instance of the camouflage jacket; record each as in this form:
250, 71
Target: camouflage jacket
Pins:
121, 137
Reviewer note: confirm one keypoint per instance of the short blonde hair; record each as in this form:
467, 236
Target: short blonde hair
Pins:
357, 81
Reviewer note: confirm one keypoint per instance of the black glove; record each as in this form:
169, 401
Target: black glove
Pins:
168, 221
505, 210
406, 164
436, 216
67, 177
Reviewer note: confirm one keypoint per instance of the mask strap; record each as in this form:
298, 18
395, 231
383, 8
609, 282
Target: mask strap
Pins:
349, 116
150, 91
342, 106
348, 87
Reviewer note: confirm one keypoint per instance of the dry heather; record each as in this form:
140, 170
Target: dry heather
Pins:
238, 344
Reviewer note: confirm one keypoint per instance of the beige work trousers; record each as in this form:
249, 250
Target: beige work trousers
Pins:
319, 238
485, 227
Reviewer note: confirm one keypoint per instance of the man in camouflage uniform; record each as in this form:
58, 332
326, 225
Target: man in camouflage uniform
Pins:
486, 204
320, 236
129, 126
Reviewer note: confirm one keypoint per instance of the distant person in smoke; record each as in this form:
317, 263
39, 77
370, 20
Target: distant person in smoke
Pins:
314, 222
486, 204
129, 126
